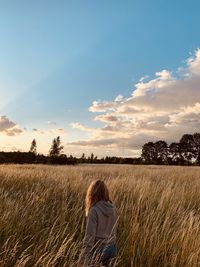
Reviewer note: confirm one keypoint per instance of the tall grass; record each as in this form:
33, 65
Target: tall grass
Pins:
42, 214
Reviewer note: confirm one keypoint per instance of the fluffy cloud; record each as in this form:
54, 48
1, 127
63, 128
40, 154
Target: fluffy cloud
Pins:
194, 64
102, 106
107, 118
164, 107
133, 142
77, 125
8, 127
98, 106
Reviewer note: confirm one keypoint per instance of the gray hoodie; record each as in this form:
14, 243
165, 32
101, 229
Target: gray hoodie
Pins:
100, 227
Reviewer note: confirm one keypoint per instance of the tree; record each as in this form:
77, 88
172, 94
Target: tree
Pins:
196, 138
161, 152
155, 153
149, 153
56, 147
33, 148
83, 158
175, 155
92, 158
187, 147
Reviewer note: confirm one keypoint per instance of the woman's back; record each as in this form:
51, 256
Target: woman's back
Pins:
106, 216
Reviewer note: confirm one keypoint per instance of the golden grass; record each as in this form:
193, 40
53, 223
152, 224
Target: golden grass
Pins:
42, 220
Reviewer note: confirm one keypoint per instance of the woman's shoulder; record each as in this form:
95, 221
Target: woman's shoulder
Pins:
92, 211
106, 208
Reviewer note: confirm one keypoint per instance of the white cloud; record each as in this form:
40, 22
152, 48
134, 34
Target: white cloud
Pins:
163, 78
8, 127
187, 120
51, 122
164, 107
102, 106
194, 64
108, 118
119, 98
77, 125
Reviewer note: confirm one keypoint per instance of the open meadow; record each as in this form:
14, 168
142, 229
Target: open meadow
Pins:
42, 214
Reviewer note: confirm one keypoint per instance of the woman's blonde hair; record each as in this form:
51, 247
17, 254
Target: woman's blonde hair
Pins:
97, 191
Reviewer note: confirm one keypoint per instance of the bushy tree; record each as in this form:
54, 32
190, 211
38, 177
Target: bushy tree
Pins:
155, 153
174, 153
186, 152
149, 153
161, 152
196, 138
187, 149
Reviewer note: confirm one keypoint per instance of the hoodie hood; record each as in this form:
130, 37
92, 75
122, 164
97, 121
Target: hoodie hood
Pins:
106, 207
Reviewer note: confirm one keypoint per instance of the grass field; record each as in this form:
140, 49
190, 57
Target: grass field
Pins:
42, 214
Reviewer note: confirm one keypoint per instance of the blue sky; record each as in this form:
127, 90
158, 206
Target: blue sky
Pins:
57, 57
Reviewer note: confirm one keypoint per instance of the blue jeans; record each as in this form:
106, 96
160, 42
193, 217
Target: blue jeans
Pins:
107, 254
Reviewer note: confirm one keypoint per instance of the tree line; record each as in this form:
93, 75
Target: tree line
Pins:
56, 156
185, 152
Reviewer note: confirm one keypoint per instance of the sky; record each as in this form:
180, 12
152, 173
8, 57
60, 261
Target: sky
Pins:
105, 76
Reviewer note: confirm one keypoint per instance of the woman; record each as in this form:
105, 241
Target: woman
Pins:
100, 237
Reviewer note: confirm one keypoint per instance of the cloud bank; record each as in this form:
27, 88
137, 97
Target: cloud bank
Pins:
164, 107
8, 127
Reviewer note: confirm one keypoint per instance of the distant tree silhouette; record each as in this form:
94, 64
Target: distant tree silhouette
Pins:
149, 153
155, 153
83, 158
187, 149
92, 158
33, 148
185, 152
196, 138
190, 148
175, 154
161, 152
56, 147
